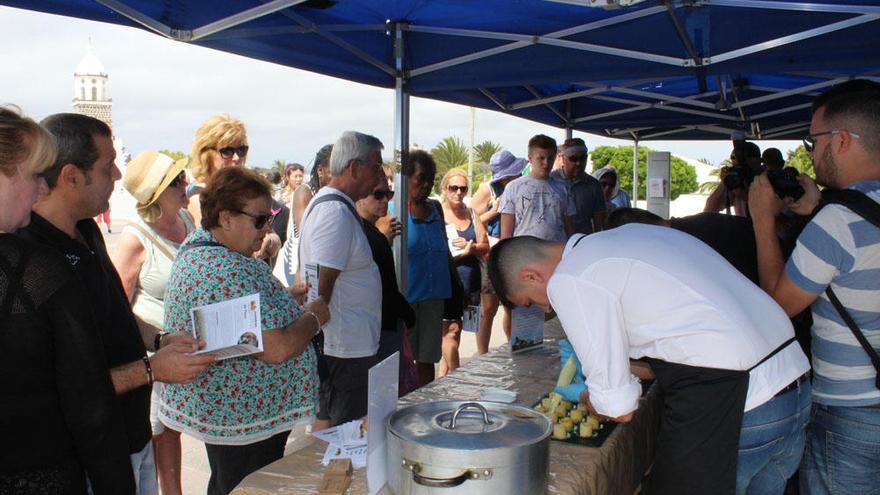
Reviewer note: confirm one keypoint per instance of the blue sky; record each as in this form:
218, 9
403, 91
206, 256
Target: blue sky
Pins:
162, 90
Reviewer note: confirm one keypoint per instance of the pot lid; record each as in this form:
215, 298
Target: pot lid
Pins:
463, 425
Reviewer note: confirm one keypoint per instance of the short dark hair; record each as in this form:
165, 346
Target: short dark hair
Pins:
751, 150
773, 159
858, 102
274, 177
290, 167
74, 134
229, 189
507, 259
623, 216
543, 142
322, 159
421, 159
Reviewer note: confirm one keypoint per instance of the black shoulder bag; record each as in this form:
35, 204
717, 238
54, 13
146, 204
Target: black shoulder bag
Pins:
868, 209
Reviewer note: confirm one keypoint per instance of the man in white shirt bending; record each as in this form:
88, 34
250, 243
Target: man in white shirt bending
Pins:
348, 279
724, 355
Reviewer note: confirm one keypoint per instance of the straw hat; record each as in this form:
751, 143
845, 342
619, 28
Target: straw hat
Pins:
149, 174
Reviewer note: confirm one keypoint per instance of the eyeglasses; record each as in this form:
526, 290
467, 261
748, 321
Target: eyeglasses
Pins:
228, 152
577, 158
382, 194
178, 181
259, 220
810, 139
454, 189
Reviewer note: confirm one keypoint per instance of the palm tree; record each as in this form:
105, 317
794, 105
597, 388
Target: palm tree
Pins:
709, 187
449, 153
484, 151
280, 166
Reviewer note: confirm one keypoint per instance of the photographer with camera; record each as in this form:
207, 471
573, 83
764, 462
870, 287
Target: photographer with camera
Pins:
735, 180
833, 269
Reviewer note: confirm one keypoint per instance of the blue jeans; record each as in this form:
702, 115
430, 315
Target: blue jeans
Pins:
771, 442
843, 451
144, 465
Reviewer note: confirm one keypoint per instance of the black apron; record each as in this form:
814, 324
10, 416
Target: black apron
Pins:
698, 441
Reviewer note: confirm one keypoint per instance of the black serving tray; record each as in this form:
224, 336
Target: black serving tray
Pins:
596, 440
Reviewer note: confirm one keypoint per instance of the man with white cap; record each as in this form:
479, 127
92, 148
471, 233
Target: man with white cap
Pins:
583, 188
80, 184
485, 202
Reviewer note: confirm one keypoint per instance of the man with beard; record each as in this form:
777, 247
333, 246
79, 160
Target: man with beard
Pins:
840, 250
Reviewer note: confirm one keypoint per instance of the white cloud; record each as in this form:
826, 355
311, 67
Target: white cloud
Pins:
162, 90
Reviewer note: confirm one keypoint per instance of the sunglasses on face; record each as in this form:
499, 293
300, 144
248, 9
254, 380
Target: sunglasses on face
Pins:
454, 189
383, 194
228, 152
179, 180
810, 139
259, 220
578, 158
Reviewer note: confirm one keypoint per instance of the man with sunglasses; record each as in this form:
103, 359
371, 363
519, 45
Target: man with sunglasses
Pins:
583, 188
332, 238
837, 249
80, 184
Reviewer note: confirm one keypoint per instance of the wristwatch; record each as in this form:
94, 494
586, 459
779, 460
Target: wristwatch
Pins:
157, 340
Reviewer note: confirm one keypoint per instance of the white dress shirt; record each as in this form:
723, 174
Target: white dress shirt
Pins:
645, 291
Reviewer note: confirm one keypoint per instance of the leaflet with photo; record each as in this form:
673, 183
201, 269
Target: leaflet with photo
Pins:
311, 279
526, 328
229, 328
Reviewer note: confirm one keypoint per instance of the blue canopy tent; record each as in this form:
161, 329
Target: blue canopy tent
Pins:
636, 69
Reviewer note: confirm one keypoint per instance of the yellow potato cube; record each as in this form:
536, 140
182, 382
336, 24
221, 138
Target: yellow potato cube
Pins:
561, 411
576, 415
585, 430
567, 423
593, 421
559, 432
567, 404
582, 407
545, 403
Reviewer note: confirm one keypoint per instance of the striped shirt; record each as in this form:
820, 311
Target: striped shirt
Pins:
840, 248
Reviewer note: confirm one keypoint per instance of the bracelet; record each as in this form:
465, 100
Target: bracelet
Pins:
317, 321
157, 340
149, 371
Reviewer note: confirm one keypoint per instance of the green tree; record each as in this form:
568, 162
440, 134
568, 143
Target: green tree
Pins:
801, 159
483, 152
709, 187
683, 177
176, 155
280, 166
449, 153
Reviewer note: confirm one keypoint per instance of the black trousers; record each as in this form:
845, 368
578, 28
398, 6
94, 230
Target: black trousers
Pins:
343, 393
232, 463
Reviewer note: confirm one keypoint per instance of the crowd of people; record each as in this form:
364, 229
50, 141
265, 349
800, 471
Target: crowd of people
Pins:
99, 351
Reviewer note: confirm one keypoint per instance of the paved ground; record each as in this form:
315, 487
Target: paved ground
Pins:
195, 470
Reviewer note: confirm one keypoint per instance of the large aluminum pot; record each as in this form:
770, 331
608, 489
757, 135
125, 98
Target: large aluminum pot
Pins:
455, 447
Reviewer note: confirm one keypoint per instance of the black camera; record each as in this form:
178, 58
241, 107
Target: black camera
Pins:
785, 183
738, 176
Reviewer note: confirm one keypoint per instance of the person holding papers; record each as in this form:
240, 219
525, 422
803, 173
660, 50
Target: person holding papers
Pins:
243, 408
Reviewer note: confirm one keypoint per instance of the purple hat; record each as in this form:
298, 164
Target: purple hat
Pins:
504, 165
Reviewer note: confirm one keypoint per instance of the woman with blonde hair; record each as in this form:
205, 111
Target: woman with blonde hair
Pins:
468, 243
143, 257
220, 142
60, 421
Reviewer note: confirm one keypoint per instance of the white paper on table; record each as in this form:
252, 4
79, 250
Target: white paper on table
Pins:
382, 401
451, 235
526, 328
470, 321
349, 434
656, 188
357, 454
229, 328
311, 279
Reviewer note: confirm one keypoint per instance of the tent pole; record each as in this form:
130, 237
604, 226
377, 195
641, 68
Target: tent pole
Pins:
635, 190
401, 149
568, 125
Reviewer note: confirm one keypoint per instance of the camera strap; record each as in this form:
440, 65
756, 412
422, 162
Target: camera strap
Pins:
860, 204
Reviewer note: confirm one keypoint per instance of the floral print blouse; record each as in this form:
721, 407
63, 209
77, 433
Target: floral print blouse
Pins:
242, 400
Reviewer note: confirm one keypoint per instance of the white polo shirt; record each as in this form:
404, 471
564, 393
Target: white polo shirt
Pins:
645, 291
332, 237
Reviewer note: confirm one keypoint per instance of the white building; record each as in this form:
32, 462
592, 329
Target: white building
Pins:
91, 91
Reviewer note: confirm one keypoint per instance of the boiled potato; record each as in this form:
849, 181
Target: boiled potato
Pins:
561, 411
559, 432
567, 423
593, 421
576, 415
545, 403
585, 430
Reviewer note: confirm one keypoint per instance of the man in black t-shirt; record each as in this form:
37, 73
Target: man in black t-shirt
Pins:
80, 184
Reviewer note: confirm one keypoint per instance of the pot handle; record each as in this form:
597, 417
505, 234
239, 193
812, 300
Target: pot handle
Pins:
440, 482
469, 405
